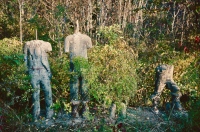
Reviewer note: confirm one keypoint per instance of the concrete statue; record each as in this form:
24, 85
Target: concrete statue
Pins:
77, 45
164, 77
36, 60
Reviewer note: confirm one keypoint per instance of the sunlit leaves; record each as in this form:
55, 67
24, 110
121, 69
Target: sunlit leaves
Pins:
112, 74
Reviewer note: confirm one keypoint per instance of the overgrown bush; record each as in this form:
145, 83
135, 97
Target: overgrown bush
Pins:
112, 74
14, 83
15, 88
60, 82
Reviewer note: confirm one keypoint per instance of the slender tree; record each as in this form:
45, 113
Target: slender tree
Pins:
21, 12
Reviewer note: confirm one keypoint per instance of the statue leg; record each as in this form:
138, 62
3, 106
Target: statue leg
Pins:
74, 91
160, 83
84, 90
159, 86
75, 105
35, 97
48, 94
84, 97
175, 92
84, 109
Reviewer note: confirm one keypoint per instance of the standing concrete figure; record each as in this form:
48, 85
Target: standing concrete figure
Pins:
77, 45
36, 60
164, 77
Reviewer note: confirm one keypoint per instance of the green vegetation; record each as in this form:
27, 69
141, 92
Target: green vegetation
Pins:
130, 38
112, 75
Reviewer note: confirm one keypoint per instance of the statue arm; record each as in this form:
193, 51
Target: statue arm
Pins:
67, 43
89, 42
48, 48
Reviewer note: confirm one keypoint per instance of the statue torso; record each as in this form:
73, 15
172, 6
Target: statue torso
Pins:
37, 56
78, 46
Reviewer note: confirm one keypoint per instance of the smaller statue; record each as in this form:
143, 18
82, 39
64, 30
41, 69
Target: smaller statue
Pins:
36, 60
164, 77
77, 45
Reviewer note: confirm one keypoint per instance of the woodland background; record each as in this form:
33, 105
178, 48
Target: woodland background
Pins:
130, 38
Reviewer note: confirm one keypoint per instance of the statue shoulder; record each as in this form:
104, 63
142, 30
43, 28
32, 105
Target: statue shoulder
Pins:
85, 36
46, 46
69, 37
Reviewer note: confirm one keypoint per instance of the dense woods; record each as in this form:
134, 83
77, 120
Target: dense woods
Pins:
130, 38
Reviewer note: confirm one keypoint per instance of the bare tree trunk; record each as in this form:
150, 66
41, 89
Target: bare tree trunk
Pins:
120, 13
127, 7
20, 19
173, 22
124, 15
36, 34
138, 19
102, 14
89, 16
183, 23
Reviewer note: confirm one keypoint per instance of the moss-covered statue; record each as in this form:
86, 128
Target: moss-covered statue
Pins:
164, 77
77, 45
36, 60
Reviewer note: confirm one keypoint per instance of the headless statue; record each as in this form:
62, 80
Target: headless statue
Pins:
164, 77
36, 60
77, 45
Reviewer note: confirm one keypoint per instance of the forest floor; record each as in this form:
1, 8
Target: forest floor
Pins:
140, 119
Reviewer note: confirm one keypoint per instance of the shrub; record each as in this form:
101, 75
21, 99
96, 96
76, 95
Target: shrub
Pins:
15, 88
14, 83
112, 73
60, 82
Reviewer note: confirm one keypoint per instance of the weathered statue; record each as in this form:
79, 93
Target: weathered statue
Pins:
164, 77
36, 60
77, 45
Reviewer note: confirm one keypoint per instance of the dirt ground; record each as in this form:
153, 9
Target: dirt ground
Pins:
139, 119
